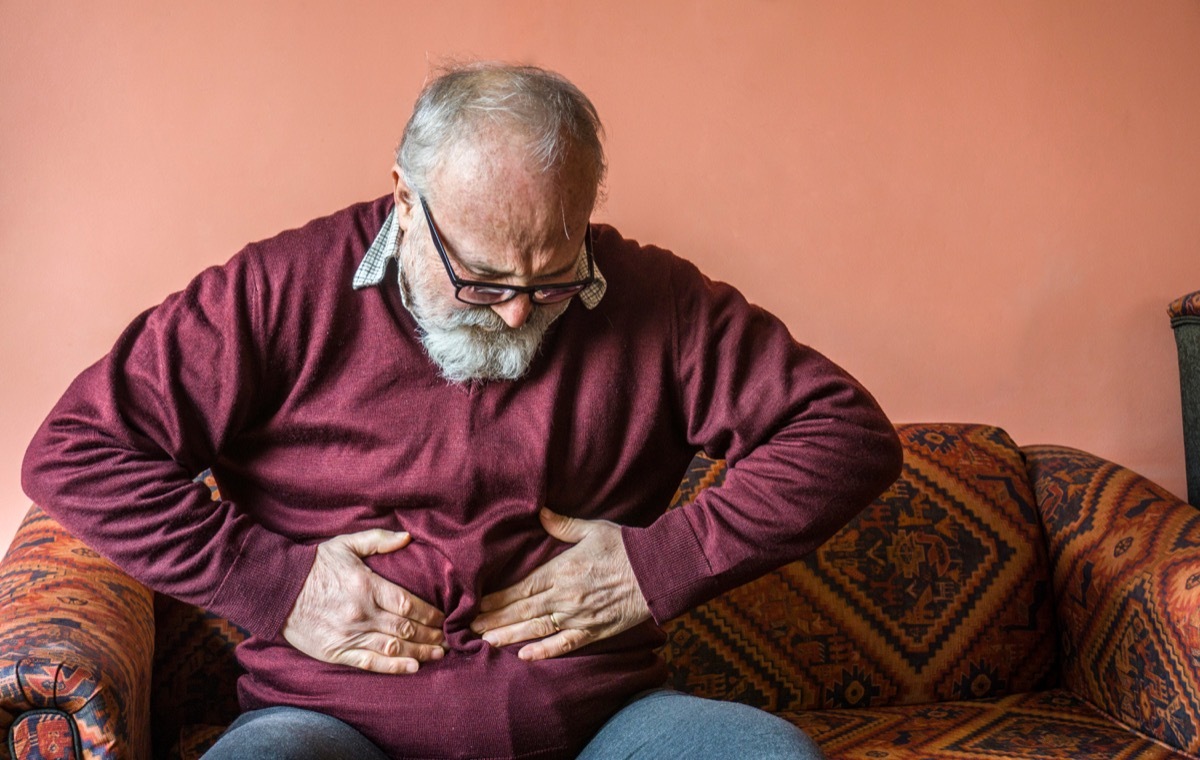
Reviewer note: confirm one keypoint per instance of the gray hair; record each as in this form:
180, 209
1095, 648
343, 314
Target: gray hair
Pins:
557, 117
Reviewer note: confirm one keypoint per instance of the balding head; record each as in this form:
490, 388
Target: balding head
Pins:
557, 126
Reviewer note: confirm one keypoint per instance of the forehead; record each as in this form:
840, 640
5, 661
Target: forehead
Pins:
489, 182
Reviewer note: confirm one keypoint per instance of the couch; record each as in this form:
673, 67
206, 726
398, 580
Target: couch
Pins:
995, 602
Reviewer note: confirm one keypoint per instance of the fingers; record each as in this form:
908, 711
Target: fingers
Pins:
571, 530
397, 600
535, 583
566, 640
521, 626
346, 614
584, 594
389, 647
400, 627
377, 541
567, 529
375, 662
396, 645
411, 622
512, 612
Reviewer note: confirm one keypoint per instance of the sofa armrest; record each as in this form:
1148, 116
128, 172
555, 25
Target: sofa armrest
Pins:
76, 644
1126, 568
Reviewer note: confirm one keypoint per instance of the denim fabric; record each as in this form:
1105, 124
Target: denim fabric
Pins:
658, 725
669, 725
289, 733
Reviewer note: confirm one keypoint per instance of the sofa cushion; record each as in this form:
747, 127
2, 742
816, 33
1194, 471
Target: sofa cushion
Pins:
1053, 723
939, 590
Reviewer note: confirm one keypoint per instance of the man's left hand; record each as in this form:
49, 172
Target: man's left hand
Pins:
585, 594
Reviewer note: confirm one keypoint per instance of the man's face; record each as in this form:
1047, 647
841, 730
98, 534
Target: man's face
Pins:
499, 222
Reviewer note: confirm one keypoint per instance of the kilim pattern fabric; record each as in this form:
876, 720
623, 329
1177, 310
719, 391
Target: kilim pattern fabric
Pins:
1049, 724
44, 735
937, 591
1126, 555
1185, 306
195, 674
77, 640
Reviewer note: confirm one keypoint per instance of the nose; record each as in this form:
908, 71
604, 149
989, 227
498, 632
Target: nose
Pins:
515, 312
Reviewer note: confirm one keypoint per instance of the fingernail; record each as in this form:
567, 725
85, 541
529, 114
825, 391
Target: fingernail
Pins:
411, 667
437, 654
490, 639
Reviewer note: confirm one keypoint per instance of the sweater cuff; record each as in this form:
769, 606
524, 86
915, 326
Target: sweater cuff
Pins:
261, 586
669, 564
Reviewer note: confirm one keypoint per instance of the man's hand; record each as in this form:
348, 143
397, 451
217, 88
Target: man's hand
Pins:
585, 594
348, 615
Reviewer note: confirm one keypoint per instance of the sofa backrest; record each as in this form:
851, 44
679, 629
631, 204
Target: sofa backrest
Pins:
939, 590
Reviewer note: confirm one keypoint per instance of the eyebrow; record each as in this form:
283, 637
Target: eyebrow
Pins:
486, 271
482, 270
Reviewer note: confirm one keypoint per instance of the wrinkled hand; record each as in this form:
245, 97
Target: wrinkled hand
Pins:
585, 594
348, 615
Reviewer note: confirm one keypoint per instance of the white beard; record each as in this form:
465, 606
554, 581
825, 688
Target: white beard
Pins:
474, 343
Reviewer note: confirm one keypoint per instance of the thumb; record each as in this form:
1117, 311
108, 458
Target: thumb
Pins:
569, 529
377, 541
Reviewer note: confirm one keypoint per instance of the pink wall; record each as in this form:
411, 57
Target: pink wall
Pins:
979, 209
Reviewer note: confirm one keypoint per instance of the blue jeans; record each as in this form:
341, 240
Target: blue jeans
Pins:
658, 725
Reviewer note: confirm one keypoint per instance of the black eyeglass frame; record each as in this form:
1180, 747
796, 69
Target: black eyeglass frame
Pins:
505, 293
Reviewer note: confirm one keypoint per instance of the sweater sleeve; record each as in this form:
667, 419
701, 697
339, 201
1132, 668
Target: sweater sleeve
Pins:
807, 449
115, 460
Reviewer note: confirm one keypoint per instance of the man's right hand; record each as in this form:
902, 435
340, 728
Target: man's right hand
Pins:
348, 615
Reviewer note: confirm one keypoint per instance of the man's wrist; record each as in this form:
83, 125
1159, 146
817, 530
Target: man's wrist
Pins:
669, 565
260, 588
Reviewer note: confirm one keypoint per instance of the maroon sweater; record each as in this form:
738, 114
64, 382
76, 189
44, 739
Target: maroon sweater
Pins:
320, 414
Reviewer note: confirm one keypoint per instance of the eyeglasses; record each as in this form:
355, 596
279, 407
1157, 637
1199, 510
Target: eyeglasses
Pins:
490, 294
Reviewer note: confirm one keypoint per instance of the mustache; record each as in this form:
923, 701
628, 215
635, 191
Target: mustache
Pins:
484, 319
480, 317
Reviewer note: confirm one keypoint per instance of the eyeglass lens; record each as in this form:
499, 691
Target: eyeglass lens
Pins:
484, 296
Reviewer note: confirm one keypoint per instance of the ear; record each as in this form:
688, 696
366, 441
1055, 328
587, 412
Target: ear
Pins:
405, 197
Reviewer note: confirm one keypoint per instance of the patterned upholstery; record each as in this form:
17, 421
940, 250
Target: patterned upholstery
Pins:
45, 735
1048, 724
1185, 306
1127, 580
935, 625
76, 640
937, 591
195, 675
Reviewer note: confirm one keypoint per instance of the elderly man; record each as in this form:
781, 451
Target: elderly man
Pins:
447, 424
